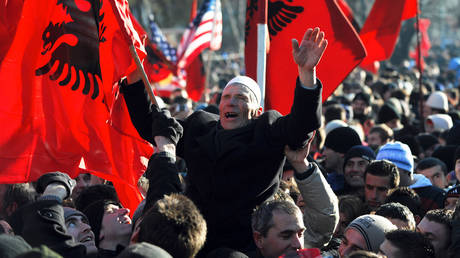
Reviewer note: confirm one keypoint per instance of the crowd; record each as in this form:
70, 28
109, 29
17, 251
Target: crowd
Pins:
372, 172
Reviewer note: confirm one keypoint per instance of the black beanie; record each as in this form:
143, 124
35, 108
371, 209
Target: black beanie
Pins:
341, 139
359, 151
95, 212
388, 112
457, 155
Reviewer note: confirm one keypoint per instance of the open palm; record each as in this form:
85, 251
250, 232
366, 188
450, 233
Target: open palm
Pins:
308, 54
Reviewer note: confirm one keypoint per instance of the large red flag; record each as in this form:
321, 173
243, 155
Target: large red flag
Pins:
59, 106
381, 29
290, 19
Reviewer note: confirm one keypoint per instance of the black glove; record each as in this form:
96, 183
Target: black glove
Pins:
55, 177
165, 125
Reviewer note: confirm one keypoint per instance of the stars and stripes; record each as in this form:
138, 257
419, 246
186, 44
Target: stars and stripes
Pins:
162, 44
203, 32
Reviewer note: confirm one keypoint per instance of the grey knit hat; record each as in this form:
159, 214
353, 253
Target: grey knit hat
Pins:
373, 229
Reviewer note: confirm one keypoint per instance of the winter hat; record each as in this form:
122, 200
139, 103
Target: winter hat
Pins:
143, 250
441, 122
95, 212
225, 252
359, 151
453, 137
457, 154
389, 111
373, 229
398, 153
138, 212
248, 83
336, 123
12, 246
438, 100
426, 141
342, 139
69, 212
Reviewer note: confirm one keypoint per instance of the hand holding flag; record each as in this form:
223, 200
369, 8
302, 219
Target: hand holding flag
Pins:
308, 55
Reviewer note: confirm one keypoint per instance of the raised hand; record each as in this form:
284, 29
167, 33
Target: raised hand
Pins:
308, 54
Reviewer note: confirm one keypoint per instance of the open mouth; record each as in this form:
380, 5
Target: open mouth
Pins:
230, 115
87, 239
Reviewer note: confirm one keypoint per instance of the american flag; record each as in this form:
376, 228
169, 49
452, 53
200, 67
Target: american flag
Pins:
203, 32
161, 43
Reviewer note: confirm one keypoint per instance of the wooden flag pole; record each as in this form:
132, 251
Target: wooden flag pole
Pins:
262, 34
419, 61
145, 79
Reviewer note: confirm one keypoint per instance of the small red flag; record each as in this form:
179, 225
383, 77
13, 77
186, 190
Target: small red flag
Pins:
195, 79
59, 105
381, 29
290, 19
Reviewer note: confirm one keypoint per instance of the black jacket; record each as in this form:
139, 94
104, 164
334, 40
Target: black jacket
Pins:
230, 172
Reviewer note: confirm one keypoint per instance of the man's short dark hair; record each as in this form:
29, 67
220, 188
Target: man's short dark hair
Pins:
384, 168
19, 194
383, 130
262, 218
394, 210
334, 112
175, 224
431, 162
410, 244
407, 197
441, 216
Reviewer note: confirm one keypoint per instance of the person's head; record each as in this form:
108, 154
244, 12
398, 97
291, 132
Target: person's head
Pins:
401, 155
398, 214
366, 232
406, 244
78, 227
437, 225
337, 143
379, 177
438, 123
175, 224
350, 207
94, 193
278, 228
13, 196
110, 223
407, 197
428, 143
335, 112
452, 198
434, 169
379, 135
361, 104
240, 102
390, 114
436, 103
143, 250
457, 163
83, 181
355, 162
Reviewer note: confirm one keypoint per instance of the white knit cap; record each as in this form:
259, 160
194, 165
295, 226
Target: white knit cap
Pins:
441, 122
336, 123
438, 100
248, 83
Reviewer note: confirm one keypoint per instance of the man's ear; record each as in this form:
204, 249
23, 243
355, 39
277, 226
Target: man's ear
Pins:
258, 239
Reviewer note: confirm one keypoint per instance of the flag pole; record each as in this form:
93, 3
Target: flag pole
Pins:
262, 34
419, 67
145, 79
